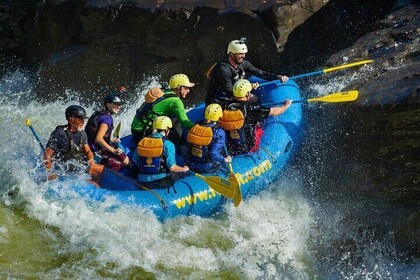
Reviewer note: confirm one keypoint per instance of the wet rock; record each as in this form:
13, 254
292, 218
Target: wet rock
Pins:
394, 77
336, 26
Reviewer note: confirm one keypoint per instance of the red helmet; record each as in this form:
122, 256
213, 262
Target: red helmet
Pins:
121, 90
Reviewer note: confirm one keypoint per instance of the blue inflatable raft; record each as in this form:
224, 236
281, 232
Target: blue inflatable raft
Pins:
191, 195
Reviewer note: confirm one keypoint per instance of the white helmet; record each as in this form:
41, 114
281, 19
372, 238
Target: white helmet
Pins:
237, 46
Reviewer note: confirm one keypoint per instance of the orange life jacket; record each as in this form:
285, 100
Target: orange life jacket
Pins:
150, 151
200, 137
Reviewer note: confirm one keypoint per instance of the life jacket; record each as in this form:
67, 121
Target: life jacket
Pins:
145, 115
199, 139
92, 128
217, 91
150, 151
232, 122
74, 150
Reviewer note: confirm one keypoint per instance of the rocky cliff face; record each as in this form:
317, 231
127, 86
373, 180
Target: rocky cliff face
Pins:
92, 47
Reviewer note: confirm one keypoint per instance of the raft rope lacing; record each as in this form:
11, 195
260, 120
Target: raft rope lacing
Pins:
164, 205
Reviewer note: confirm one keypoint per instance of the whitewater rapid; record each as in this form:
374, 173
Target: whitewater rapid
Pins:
275, 235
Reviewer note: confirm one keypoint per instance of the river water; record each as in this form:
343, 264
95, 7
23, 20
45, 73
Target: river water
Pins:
300, 228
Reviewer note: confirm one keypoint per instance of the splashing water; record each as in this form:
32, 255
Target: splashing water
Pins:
275, 235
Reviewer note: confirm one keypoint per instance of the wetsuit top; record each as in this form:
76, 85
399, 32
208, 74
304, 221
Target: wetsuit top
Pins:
67, 144
225, 75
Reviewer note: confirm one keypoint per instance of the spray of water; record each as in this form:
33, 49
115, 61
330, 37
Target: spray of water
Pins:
279, 234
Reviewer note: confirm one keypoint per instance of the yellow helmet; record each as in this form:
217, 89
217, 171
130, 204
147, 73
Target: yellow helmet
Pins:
241, 88
162, 122
213, 112
237, 46
179, 80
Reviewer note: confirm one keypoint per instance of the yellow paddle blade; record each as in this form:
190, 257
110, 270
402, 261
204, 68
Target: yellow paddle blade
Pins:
220, 185
237, 196
28, 122
347, 65
337, 97
117, 131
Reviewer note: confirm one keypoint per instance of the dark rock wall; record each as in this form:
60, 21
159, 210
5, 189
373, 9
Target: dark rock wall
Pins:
93, 46
336, 26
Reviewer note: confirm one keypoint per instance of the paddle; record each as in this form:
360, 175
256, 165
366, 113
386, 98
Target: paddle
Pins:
28, 123
117, 136
222, 186
237, 197
117, 131
320, 72
345, 96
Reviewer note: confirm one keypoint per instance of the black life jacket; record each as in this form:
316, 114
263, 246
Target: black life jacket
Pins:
146, 115
216, 91
92, 128
74, 148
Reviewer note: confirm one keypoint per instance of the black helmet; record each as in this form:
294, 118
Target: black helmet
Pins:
76, 111
112, 98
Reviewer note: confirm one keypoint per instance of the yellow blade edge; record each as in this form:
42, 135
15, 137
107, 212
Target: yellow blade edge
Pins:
237, 197
117, 131
347, 65
220, 185
345, 96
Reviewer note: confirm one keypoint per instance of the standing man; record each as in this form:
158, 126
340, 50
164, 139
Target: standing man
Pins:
68, 143
163, 103
225, 74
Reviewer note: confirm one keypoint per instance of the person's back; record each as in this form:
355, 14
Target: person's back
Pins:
242, 120
155, 156
206, 141
156, 104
